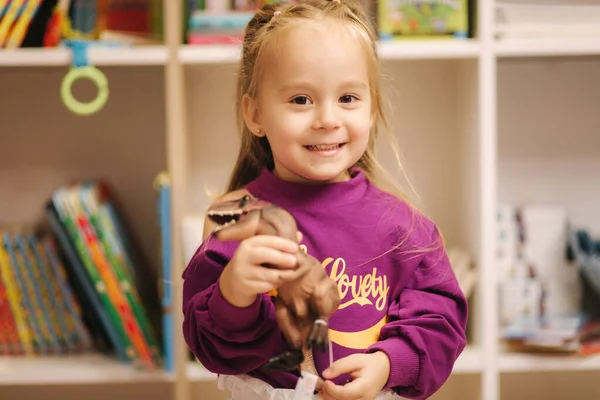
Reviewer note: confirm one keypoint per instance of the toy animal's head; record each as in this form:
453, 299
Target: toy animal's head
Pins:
248, 216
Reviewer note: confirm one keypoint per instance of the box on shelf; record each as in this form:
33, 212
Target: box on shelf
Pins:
401, 19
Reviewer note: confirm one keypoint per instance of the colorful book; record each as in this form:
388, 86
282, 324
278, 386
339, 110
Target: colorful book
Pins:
162, 186
13, 295
92, 205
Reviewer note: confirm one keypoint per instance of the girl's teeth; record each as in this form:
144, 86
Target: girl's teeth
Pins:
324, 147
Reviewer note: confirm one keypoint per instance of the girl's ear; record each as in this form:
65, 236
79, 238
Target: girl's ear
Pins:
251, 115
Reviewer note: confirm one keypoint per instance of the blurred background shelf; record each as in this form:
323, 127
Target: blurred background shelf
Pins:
65, 370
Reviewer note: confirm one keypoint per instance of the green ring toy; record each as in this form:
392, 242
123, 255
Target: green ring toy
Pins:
95, 75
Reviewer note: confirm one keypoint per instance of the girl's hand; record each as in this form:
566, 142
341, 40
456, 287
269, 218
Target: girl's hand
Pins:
369, 372
244, 277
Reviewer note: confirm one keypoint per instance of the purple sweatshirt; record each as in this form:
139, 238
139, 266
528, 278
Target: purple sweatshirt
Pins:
398, 292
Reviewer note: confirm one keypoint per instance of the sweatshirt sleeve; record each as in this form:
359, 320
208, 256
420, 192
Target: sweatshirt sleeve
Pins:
425, 332
226, 339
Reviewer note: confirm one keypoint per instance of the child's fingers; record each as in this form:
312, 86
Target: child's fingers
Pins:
274, 277
355, 389
267, 255
275, 242
346, 365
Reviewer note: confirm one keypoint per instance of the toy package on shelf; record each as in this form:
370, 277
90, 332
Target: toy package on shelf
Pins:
402, 19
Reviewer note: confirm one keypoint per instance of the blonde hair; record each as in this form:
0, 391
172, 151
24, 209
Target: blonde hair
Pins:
255, 152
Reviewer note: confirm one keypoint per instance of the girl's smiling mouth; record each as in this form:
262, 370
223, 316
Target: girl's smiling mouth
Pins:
324, 147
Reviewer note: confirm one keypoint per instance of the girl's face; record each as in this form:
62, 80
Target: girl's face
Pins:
313, 102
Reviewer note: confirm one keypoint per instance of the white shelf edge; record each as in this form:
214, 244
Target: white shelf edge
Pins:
521, 362
196, 372
428, 49
209, 54
583, 46
122, 56
221, 54
84, 369
469, 362
388, 50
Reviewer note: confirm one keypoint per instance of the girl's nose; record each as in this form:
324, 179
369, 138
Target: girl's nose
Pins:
327, 117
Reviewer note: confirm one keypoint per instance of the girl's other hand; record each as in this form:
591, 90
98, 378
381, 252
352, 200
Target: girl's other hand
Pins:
369, 372
245, 277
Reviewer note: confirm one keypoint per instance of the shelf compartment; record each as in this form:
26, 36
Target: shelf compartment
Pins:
46, 146
549, 155
122, 56
84, 369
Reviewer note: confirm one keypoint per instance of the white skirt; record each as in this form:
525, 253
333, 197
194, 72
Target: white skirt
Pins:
244, 387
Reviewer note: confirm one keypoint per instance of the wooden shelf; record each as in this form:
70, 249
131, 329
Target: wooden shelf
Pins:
547, 47
46, 57
521, 362
85, 369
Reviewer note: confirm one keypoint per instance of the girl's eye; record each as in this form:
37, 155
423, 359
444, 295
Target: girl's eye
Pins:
348, 98
301, 100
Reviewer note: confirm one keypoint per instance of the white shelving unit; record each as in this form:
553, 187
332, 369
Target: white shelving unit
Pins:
479, 121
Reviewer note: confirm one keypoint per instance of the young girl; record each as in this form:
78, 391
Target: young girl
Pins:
309, 103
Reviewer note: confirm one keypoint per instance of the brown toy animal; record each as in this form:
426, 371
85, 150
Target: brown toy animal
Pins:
303, 305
